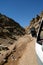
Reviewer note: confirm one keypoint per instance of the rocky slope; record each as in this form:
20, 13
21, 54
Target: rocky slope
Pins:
10, 28
10, 31
35, 22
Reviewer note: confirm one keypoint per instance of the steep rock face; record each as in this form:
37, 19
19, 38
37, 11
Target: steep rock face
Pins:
10, 28
35, 22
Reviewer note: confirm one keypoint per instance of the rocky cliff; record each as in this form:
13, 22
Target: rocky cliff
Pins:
35, 22
10, 28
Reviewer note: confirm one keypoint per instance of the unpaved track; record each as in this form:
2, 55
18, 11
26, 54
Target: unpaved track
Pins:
29, 56
26, 51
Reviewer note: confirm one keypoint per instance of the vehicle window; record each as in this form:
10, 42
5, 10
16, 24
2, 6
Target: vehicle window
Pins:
41, 34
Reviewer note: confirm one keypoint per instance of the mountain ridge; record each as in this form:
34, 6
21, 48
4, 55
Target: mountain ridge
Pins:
35, 22
10, 27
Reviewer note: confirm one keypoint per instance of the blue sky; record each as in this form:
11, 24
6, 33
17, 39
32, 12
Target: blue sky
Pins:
21, 11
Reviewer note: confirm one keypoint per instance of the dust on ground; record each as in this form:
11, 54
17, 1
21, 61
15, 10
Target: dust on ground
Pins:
24, 53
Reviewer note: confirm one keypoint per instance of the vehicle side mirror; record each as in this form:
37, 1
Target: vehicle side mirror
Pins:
33, 32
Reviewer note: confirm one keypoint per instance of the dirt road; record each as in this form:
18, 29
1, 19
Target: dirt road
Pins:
25, 52
29, 56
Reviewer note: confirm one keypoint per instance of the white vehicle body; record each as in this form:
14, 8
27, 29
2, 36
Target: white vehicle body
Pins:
39, 45
39, 53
